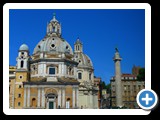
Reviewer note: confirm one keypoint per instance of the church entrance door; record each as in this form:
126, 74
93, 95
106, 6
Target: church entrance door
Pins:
51, 105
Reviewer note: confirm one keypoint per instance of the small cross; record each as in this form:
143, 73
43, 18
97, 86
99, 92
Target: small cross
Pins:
54, 14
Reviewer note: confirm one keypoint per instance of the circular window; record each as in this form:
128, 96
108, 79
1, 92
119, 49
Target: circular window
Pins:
52, 45
39, 46
67, 47
20, 77
22, 57
52, 38
79, 61
22, 53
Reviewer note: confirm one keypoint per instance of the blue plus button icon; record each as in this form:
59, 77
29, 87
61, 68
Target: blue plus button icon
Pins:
147, 99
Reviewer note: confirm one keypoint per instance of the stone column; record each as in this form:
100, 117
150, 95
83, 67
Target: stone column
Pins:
73, 97
44, 69
39, 97
118, 83
77, 92
65, 69
24, 104
28, 97
43, 98
91, 100
75, 72
63, 99
60, 69
59, 98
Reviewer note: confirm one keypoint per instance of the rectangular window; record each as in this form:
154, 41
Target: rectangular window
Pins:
19, 95
125, 93
139, 87
125, 87
19, 103
134, 87
128, 87
89, 76
79, 75
52, 71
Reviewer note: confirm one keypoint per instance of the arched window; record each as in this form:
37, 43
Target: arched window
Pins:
78, 47
22, 62
53, 29
79, 75
70, 71
89, 76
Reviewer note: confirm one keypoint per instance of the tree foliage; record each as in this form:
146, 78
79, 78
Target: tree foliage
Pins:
141, 75
104, 86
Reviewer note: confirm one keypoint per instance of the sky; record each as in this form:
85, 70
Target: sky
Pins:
100, 30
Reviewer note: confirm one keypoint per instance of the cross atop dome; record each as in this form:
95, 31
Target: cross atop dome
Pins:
54, 18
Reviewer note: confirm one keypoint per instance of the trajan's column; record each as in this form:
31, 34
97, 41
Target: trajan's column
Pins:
118, 85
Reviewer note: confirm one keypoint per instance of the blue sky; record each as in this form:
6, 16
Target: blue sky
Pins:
99, 30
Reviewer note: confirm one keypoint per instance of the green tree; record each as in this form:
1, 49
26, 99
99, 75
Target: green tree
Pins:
141, 75
103, 85
108, 87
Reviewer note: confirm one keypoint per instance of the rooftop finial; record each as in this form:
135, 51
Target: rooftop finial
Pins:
54, 17
54, 14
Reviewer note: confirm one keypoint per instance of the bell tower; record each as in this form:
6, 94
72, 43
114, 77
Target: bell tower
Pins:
78, 46
23, 58
22, 75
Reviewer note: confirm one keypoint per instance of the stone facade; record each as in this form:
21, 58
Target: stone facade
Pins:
53, 76
130, 88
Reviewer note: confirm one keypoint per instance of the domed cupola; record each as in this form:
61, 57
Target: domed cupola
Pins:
83, 60
54, 27
53, 43
23, 47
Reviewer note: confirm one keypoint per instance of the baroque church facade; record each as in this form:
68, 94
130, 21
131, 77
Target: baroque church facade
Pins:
54, 76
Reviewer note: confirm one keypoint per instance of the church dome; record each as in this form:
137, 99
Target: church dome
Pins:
53, 44
83, 60
24, 47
